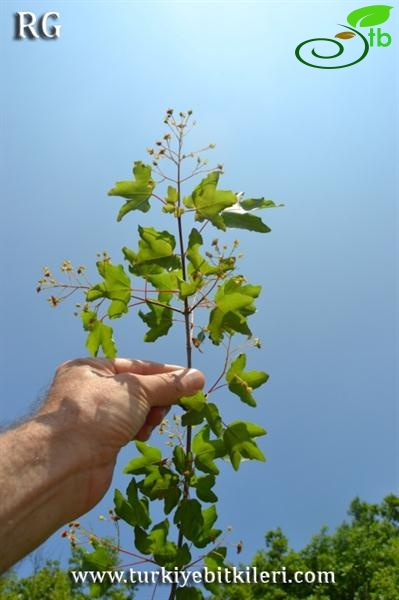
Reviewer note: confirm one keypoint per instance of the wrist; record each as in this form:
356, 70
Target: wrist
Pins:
65, 469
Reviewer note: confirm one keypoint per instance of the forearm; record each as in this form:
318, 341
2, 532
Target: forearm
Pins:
37, 478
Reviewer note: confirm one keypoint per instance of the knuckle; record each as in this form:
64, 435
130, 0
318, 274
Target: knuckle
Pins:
75, 362
132, 380
63, 367
177, 383
68, 364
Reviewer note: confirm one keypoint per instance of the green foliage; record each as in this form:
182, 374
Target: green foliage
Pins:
156, 252
206, 450
48, 583
116, 287
188, 593
257, 203
363, 554
234, 302
51, 582
138, 191
239, 216
243, 382
244, 221
156, 543
178, 277
149, 456
209, 202
100, 335
197, 401
239, 442
159, 319
203, 486
132, 509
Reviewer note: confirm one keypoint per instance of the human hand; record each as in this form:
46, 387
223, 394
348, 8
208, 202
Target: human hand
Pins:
59, 463
102, 404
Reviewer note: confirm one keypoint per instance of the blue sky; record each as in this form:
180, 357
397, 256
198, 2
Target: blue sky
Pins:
78, 111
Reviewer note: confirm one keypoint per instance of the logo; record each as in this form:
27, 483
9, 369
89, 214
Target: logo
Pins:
28, 25
367, 17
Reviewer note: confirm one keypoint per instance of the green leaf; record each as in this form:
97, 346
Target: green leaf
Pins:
253, 429
234, 303
238, 441
190, 519
123, 508
208, 533
203, 487
140, 506
197, 525
141, 541
214, 561
241, 382
100, 335
160, 317
116, 287
137, 191
165, 282
193, 254
244, 221
199, 269
132, 510
158, 482
193, 417
206, 451
159, 320
198, 264
149, 456
171, 200
172, 497
209, 202
99, 560
188, 593
214, 419
179, 459
156, 543
161, 483
183, 557
257, 203
197, 401
156, 252
368, 16
187, 289
238, 216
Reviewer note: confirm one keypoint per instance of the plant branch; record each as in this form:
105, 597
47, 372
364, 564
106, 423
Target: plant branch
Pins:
204, 296
156, 303
158, 198
187, 325
203, 226
226, 362
218, 387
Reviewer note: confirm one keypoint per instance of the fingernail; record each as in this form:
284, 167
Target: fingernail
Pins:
195, 379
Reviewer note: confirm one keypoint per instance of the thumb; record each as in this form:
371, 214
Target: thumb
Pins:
164, 389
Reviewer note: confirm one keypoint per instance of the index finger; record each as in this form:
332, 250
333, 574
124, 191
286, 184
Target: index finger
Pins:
142, 367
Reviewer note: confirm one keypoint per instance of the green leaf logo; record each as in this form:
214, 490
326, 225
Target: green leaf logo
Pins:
369, 15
